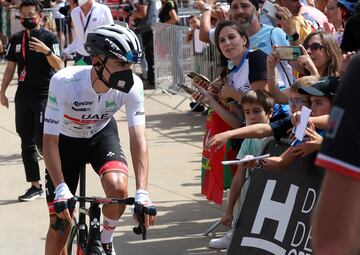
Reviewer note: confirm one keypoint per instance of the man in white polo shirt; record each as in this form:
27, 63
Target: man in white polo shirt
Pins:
86, 17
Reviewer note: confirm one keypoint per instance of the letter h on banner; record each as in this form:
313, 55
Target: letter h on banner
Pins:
274, 210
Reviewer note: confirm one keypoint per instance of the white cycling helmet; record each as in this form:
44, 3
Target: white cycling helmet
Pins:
116, 42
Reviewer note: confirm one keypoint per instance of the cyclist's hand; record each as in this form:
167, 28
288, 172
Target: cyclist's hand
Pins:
142, 196
62, 195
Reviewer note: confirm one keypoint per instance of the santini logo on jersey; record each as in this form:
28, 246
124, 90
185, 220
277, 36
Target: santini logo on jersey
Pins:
77, 104
51, 121
139, 113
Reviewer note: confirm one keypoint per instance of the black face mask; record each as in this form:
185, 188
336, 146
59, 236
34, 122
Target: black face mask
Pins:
29, 23
121, 80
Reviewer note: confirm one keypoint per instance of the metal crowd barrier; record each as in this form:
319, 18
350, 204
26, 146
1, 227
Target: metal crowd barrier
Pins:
174, 58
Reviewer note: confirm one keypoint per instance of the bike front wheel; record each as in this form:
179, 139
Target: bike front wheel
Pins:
76, 242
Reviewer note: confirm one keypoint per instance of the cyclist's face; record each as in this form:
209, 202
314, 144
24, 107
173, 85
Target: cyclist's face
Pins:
112, 66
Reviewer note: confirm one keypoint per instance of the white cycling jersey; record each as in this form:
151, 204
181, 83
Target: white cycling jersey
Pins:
74, 108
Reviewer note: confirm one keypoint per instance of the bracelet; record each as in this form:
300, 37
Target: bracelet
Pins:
48, 53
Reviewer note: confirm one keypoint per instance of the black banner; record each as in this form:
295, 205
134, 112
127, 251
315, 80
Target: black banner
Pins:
275, 217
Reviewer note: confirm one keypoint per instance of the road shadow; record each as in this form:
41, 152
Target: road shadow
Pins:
12, 159
179, 231
180, 126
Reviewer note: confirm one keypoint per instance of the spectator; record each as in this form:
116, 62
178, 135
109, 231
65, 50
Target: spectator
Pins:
169, 12
248, 72
49, 23
333, 13
261, 36
29, 46
200, 48
321, 55
146, 15
258, 107
66, 10
279, 129
351, 37
60, 23
86, 17
347, 8
321, 96
336, 219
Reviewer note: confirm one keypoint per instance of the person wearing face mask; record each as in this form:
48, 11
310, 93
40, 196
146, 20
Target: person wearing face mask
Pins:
34, 51
79, 128
85, 18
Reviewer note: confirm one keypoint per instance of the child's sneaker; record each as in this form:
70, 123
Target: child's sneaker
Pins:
221, 243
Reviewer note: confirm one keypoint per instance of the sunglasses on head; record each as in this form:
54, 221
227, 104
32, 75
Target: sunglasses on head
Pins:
314, 46
297, 102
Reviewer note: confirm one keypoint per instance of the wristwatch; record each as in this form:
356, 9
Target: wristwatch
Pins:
294, 37
48, 53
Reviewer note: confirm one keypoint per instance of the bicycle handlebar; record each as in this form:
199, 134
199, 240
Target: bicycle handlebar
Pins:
104, 200
60, 224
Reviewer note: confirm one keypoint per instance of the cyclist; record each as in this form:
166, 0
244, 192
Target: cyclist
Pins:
79, 128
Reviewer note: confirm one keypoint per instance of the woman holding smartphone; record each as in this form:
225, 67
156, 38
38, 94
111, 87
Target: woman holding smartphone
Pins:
241, 71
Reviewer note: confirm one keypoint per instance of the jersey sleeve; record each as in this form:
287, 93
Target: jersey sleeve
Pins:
341, 145
134, 105
54, 107
257, 66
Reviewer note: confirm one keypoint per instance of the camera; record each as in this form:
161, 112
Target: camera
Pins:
126, 7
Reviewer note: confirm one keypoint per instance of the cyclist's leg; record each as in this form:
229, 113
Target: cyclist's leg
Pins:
108, 160
72, 153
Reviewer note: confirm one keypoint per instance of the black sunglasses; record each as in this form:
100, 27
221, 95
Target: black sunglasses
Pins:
314, 46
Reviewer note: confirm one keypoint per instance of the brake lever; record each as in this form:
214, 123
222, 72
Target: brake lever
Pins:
60, 224
140, 216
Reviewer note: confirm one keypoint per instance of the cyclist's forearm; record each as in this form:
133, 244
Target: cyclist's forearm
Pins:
140, 156
52, 158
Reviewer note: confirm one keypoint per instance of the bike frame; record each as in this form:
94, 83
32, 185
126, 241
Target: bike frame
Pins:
88, 240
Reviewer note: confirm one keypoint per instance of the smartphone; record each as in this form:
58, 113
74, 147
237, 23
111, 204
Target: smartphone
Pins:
198, 77
34, 33
270, 9
289, 53
186, 88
